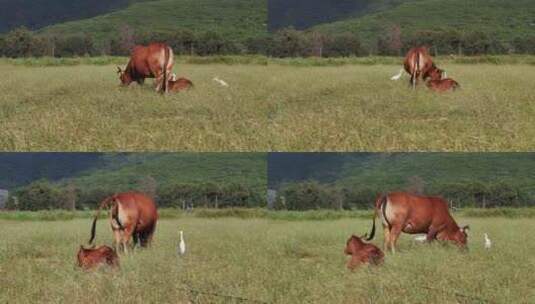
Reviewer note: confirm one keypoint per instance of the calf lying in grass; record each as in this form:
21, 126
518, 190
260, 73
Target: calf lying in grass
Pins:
94, 257
362, 253
180, 84
443, 85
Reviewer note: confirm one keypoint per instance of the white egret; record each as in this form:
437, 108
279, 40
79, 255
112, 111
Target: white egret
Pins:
221, 82
488, 243
420, 238
182, 244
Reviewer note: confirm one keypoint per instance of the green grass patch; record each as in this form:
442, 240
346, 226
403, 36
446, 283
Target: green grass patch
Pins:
264, 60
257, 213
351, 107
265, 260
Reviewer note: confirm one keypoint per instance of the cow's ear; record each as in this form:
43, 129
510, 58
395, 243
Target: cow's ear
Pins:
119, 70
464, 228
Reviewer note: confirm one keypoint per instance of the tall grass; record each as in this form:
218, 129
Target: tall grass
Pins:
274, 107
265, 260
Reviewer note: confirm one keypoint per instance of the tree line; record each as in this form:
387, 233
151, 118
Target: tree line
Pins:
43, 195
312, 195
308, 195
287, 42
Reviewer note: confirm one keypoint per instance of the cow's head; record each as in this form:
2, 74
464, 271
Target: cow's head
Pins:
125, 78
460, 237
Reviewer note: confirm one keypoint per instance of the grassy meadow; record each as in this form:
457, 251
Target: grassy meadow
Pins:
265, 260
276, 105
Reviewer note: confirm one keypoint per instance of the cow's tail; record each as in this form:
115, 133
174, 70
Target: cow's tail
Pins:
166, 62
379, 204
416, 69
105, 203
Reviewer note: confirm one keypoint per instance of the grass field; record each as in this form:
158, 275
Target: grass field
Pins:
276, 107
265, 260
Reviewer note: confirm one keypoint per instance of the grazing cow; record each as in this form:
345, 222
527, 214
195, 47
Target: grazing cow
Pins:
180, 84
153, 61
133, 215
443, 85
94, 257
418, 63
362, 253
413, 214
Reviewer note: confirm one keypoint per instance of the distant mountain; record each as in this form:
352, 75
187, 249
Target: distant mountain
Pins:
116, 171
235, 19
35, 14
297, 167
502, 19
22, 168
398, 170
303, 14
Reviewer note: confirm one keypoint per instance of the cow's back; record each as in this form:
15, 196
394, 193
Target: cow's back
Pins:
138, 64
145, 60
417, 210
140, 208
417, 59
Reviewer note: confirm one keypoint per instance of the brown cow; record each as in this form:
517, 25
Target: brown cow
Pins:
153, 61
362, 253
180, 84
413, 214
418, 63
133, 215
94, 257
443, 85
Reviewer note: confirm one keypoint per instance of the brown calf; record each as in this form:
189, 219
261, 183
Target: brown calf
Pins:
94, 257
362, 253
179, 84
414, 214
443, 85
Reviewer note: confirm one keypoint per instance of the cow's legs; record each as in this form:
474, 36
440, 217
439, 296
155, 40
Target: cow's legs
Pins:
431, 234
118, 239
386, 240
146, 237
137, 237
127, 235
159, 82
394, 235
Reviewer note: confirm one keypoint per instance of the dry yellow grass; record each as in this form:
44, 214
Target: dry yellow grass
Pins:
268, 260
267, 108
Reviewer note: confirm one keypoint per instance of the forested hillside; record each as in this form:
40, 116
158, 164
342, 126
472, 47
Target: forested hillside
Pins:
354, 180
302, 14
234, 19
35, 14
80, 180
